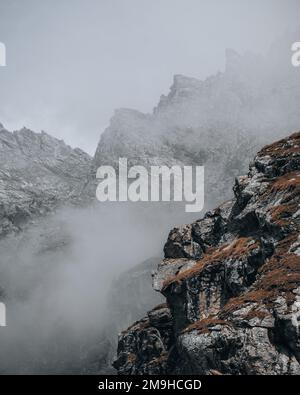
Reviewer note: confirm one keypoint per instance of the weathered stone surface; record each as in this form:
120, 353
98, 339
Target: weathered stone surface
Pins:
37, 173
144, 348
180, 244
169, 268
236, 308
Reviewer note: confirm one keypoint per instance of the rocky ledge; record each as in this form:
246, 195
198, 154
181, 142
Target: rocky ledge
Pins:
231, 282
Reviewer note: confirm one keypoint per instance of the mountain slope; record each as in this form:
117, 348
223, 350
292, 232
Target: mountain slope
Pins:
37, 172
232, 282
219, 122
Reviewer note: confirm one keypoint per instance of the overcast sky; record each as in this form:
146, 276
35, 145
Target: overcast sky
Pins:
70, 63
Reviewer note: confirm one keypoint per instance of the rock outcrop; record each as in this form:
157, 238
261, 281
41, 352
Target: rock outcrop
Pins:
231, 282
37, 173
144, 347
130, 296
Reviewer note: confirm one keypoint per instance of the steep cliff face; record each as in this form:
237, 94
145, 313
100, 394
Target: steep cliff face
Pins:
37, 172
132, 294
219, 122
231, 282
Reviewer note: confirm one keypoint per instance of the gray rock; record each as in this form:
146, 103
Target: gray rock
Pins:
236, 309
38, 173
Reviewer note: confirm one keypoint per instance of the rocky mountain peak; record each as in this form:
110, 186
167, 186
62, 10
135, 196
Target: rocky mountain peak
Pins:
224, 118
183, 88
231, 282
182, 83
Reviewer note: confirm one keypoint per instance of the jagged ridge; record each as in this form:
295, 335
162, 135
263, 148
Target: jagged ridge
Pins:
232, 282
37, 172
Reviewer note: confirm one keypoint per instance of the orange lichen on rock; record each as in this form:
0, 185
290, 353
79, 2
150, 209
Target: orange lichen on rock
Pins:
282, 213
283, 148
237, 249
284, 245
282, 257
259, 296
280, 275
287, 182
204, 325
255, 313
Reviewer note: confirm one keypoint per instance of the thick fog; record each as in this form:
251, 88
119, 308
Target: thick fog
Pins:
71, 63
57, 278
